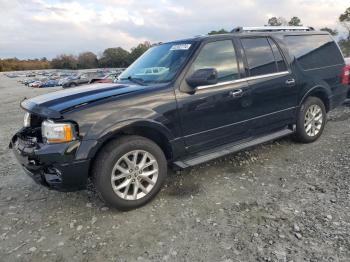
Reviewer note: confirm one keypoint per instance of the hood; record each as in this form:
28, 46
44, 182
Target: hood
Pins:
53, 104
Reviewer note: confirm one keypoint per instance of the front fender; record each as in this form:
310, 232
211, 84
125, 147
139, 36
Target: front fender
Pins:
137, 122
127, 118
89, 147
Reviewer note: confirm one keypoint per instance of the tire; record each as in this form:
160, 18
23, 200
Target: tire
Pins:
312, 108
112, 159
73, 85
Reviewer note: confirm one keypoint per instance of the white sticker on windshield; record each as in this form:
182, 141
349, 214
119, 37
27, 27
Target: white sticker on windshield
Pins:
180, 47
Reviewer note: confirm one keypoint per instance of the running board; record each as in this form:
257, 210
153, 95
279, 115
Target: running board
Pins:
229, 149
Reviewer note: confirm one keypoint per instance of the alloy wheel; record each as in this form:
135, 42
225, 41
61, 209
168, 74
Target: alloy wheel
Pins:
313, 120
134, 175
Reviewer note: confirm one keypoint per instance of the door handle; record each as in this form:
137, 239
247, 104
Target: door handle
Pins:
236, 93
290, 82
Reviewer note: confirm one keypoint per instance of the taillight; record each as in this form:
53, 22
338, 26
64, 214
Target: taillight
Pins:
346, 75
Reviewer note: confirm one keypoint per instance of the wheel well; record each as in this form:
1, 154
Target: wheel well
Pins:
147, 132
152, 134
323, 96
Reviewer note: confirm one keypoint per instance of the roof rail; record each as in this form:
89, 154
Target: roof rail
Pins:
271, 29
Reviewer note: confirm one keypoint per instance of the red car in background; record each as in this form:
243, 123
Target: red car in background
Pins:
346, 74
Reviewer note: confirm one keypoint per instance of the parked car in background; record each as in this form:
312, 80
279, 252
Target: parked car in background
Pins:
64, 74
105, 79
35, 84
12, 75
49, 83
31, 74
213, 95
75, 81
64, 80
80, 79
28, 81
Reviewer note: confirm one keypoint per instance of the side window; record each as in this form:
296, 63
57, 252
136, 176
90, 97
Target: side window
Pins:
314, 51
259, 56
221, 56
281, 64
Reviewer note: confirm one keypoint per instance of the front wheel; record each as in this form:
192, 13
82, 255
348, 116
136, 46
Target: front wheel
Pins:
311, 120
129, 172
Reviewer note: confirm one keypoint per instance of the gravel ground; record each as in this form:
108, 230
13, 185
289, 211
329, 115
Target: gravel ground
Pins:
280, 201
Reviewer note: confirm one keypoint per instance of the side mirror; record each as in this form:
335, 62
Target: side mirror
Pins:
203, 77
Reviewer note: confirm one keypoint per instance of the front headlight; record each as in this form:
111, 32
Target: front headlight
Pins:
26, 120
57, 132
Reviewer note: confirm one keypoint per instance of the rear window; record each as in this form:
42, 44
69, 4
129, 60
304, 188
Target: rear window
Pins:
259, 56
314, 51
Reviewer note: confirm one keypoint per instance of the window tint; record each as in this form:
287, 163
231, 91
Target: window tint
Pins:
221, 56
314, 51
281, 64
259, 56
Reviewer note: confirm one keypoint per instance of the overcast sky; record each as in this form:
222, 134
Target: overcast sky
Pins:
38, 28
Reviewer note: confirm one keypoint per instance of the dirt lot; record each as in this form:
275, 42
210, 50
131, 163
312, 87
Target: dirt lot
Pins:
281, 201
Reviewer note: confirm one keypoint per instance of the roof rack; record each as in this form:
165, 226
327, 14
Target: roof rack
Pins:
271, 29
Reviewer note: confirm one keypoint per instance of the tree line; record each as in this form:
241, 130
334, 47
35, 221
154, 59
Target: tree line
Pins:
111, 57
14, 64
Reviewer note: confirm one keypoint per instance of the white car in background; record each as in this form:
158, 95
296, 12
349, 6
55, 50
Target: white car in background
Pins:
35, 84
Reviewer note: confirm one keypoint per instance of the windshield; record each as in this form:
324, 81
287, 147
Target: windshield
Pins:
158, 64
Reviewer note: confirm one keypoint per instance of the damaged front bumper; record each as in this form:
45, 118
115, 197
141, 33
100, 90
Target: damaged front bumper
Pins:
51, 165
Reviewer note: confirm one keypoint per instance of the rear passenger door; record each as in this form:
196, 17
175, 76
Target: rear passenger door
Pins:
272, 86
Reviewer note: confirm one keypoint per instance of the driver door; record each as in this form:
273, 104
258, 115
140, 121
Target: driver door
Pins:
215, 114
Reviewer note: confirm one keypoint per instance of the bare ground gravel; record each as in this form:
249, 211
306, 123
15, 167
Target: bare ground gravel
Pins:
280, 201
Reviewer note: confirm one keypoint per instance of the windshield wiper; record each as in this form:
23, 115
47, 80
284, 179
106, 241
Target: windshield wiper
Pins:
139, 81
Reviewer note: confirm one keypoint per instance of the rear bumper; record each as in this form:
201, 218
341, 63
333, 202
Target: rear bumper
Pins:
53, 166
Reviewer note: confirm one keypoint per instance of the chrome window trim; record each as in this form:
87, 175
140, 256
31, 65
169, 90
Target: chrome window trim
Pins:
244, 80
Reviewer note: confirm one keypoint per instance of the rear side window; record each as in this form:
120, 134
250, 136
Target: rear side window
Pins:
259, 56
221, 56
314, 51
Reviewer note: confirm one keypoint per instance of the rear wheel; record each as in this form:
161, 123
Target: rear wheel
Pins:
311, 120
129, 172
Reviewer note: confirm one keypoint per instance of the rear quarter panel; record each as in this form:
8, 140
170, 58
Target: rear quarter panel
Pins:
327, 79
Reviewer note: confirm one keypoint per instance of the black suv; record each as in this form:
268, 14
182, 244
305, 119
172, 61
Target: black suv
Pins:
180, 104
